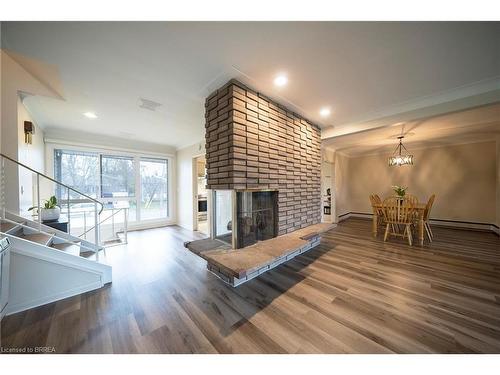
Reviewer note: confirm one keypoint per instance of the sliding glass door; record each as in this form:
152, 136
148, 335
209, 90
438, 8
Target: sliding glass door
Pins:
118, 182
141, 181
154, 189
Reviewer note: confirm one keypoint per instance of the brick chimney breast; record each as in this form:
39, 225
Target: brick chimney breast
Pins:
255, 143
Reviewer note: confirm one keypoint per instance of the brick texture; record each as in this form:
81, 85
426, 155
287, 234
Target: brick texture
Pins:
255, 143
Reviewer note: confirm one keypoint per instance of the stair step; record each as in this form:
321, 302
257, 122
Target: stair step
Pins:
40, 238
87, 253
5, 226
68, 248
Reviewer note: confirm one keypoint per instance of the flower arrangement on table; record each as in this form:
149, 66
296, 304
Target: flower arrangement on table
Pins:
400, 190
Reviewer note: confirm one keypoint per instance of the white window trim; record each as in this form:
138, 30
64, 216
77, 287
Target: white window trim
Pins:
51, 145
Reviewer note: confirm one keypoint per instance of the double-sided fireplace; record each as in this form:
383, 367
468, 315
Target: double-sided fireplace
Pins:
243, 217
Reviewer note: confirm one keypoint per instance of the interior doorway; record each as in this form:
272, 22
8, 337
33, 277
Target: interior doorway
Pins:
201, 195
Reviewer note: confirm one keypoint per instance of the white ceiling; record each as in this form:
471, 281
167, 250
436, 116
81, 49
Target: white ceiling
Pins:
359, 69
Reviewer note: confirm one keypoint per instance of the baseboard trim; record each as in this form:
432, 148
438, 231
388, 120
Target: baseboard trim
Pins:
470, 225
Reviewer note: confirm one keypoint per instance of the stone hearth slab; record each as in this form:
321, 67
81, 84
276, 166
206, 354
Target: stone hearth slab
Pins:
236, 266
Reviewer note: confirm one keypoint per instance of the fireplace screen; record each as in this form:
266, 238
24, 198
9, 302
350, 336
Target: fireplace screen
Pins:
257, 216
223, 212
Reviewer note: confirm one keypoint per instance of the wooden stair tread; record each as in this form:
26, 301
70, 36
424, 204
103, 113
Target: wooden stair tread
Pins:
40, 238
4, 226
87, 253
68, 248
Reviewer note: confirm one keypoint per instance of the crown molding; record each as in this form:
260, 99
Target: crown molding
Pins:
465, 97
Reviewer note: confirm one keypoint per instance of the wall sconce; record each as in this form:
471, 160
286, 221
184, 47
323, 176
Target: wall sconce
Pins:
29, 130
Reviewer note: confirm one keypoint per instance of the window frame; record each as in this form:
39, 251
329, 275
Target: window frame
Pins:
138, 223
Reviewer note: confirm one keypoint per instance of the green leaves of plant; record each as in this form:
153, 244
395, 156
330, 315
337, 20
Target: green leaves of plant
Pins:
48, 204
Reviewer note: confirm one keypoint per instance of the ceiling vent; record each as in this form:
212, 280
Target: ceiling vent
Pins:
148, 104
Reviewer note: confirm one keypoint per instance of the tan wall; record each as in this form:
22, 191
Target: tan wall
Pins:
463, 177
342, 189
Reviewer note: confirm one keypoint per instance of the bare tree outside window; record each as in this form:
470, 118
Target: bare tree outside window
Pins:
80, 170
154, 189
117, 177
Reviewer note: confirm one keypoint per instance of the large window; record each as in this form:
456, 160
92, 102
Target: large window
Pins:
80, 170
117, 176
141, 181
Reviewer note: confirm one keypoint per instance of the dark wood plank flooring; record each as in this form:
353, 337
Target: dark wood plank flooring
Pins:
351, 294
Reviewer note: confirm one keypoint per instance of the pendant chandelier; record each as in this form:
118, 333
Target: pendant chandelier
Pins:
398, 158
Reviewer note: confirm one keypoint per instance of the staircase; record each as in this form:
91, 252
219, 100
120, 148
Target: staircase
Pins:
48, 264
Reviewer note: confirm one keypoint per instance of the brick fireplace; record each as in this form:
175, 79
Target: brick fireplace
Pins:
254, 144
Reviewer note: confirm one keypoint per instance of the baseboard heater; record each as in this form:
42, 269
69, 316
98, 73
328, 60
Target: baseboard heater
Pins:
471, 225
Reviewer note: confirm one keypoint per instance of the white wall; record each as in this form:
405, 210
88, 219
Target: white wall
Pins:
31, 155
186, 181
1, 80
15, 81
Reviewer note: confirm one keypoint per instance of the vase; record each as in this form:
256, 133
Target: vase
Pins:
50, 214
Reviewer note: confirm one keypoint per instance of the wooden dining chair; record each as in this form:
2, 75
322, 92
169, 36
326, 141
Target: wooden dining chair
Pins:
376, 202
427, 214
413, 199
398, 212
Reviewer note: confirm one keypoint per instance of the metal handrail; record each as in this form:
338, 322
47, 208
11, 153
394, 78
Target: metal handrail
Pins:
102, 221
55, 181
69, 188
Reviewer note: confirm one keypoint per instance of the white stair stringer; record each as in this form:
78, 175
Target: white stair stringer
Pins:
40, 274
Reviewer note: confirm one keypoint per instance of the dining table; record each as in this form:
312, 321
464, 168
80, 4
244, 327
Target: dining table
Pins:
420, 208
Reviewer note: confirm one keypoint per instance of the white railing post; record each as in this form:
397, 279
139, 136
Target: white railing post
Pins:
113, 222
69, 215
84, 224
38, 202
2, 187
126, 224
96, 230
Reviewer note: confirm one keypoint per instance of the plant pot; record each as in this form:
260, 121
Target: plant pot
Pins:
50, 214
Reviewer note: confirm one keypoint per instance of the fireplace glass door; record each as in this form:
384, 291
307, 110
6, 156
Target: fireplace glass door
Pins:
223, 211
257, 216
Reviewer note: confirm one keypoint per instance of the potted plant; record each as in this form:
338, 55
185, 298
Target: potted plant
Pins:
399, 190
50, 210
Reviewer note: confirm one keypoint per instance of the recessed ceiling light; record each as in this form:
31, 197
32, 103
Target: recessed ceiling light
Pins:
325, 112
90, 115
281, 80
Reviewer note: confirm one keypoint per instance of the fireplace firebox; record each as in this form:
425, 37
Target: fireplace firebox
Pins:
257, 216
242, 218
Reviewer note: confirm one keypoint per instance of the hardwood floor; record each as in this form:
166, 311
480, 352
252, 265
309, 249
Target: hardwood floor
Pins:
351, 294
